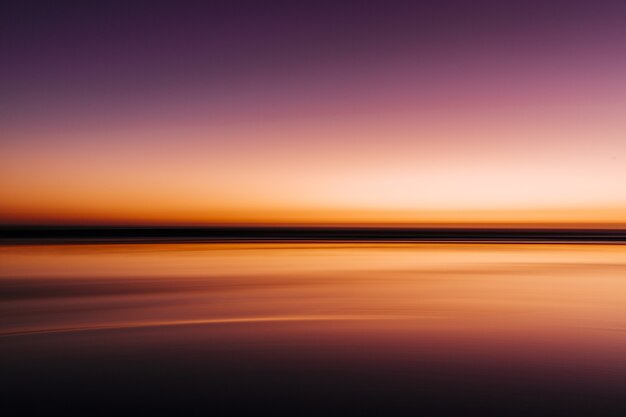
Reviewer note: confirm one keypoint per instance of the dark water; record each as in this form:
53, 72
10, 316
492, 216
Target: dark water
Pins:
309, 328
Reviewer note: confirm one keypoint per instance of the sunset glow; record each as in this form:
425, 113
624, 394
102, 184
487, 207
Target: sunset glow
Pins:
510, 120
349, 208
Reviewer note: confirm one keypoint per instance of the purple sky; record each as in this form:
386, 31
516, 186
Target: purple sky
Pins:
319, 112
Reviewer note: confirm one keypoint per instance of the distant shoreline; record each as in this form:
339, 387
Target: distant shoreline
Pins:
109, 234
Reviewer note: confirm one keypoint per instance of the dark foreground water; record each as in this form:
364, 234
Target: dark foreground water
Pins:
310, 328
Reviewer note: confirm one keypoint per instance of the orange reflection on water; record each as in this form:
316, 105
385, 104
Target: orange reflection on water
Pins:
488, 286
529, 329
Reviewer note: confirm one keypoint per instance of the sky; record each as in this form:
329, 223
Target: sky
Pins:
409, 113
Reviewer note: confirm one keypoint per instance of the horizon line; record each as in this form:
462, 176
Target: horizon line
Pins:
220, 233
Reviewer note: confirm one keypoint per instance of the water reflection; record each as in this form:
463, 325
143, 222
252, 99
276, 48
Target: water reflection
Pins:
53, 287
540, 316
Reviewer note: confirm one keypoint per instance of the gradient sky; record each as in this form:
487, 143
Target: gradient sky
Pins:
342, 112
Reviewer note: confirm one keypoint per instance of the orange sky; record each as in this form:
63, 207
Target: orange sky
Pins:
524, 126
360, 171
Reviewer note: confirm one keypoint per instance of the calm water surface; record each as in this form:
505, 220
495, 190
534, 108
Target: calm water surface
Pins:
441, 329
